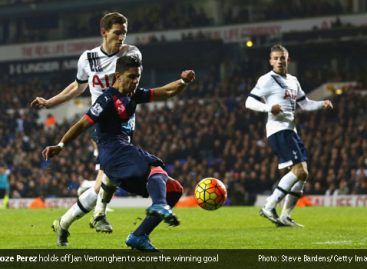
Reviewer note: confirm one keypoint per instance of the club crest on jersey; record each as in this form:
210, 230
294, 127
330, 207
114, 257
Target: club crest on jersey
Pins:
289, 94
120, 108
96, 109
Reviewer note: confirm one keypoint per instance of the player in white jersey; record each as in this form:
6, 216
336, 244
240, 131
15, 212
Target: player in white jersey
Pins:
278, 93
96, 69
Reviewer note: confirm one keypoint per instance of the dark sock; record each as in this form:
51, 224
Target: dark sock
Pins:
172, 198
149, 223
156, 187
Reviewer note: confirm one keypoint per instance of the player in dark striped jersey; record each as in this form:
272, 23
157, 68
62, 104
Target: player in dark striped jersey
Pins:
96, 68
125, 164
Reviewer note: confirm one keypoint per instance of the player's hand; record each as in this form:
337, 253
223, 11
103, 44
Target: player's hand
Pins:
188, 76
39, 103
327, 104
276, 109
51, 151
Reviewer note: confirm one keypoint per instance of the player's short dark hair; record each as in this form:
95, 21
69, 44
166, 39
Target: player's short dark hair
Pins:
278, 47
125, 62
110, 19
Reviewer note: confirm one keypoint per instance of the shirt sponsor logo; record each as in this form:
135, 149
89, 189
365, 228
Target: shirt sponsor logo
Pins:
290, 94
96, 109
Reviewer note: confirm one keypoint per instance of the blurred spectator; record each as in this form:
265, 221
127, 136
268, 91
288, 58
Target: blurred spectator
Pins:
50, 121
210, 134
38, 202
160, 15
4, 184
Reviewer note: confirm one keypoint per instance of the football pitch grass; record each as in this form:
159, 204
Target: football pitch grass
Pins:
226, 228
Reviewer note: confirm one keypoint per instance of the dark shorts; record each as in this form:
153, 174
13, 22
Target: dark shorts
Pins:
289, 148
128, 166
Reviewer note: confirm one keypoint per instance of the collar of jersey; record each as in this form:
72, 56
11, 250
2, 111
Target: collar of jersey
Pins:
109, 55
275, 73
116, 90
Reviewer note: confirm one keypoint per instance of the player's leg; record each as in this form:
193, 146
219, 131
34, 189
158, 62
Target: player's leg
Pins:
282, 189
85, 185
156, 187
99, 222
174, 192
106, 190
301, 171
290, 151
97, 186
6, 200
4, 196
139, 239
84, 204
87, 198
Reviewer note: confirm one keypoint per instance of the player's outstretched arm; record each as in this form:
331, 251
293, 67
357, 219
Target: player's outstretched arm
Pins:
310, 105
69, 136
72, 90
171, 89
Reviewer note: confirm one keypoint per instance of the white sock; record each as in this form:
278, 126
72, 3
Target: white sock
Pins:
291, 200
100, 208
286, 183
87, 200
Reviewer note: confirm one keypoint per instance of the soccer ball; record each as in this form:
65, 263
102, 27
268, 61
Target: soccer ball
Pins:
210, 193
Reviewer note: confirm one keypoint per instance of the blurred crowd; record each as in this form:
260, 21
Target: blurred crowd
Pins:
159, 15
204, 132
19, 2
22, 140
217, 137
288, 9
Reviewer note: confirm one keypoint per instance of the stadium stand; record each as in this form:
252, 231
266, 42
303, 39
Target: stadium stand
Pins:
205, 131
65, 21
216, 138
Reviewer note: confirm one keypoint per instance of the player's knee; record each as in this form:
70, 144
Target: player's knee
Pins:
108, 190
157, 170
174, 186
174, 191
302, 174
99, 179
97, 187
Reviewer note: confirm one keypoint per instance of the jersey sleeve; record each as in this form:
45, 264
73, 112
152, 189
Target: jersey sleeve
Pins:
300, 93
143, 95
256, 99
82, 74
99, 108
304, 103
261, 89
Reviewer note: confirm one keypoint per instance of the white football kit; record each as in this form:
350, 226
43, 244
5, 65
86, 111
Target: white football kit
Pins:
286, 91
98, 68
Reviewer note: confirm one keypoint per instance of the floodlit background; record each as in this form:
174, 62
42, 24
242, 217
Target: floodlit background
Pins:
206, 130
